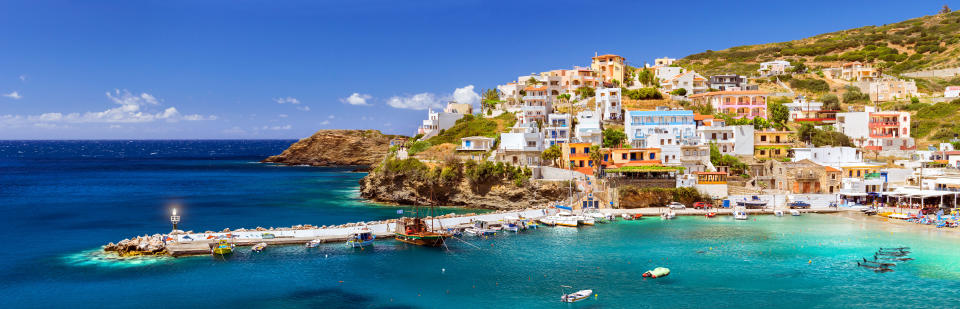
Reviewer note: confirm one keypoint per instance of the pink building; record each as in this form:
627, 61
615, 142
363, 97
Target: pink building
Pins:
748, 104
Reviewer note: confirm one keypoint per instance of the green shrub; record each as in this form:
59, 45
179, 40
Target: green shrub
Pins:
812, 85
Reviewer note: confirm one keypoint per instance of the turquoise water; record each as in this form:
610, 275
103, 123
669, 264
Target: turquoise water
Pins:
71, 206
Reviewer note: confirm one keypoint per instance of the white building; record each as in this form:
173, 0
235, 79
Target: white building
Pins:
522, 146
743, 140
437, 121
667, 72
803, 109
609, 100
557, 129
829, 156
877, 130
719, 134
474, 147
588, 128
692, 81
663, 62
951, 92
652, 129
776, 67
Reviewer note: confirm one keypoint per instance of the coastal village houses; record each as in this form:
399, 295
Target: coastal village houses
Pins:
576, 156
730, 82
588, 128
437, 121
692, 82
772, 144
557, 129
474, 147
877, 130
652, 129
521, 146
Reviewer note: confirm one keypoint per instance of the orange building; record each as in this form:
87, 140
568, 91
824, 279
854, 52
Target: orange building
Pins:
576, 156
621, 157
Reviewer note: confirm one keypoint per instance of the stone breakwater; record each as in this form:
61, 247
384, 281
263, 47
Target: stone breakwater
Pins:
179, 243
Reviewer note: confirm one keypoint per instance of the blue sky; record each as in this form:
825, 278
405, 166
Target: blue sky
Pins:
284, 69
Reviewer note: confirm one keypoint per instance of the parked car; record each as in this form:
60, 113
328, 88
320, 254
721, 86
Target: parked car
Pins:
702, 205
799, 205
675, 205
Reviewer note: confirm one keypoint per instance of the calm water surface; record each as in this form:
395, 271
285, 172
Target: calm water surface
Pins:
64, 199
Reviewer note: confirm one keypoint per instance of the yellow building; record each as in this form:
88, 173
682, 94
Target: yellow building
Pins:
769, 144
610, 67
859, 170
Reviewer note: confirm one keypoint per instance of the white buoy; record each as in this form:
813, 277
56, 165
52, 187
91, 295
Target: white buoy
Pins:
326, 255
443, 270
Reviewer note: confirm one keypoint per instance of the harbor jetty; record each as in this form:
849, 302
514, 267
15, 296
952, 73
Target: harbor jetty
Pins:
179, 243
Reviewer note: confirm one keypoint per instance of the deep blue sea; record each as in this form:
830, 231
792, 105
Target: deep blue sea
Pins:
61, 200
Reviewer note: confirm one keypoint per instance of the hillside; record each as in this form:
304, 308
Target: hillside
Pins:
921, 43
336, 147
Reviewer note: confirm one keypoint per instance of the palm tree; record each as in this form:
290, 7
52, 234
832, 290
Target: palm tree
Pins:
596, 156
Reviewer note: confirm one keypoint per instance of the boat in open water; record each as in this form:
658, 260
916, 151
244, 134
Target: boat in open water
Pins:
259, 247
575, 296
416, 231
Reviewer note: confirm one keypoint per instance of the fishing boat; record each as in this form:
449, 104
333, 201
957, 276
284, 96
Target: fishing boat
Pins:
740, 214
362, 237
313, 243
259, 247
528, 224
597, 216
481, 228
575, 296
657, 272
585, 220
778, 213
637, 216
223, 247
710, 214
753, 202
794, 212
511, 227
626, 216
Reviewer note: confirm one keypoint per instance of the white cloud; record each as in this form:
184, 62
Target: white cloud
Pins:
23, 78
427, 100
365, 118
234, 130
325, 122
133, 109
466, 95
283, 116
357, 99
13, 95
290, 100
418, 101
276, 128
304, 108
331, 117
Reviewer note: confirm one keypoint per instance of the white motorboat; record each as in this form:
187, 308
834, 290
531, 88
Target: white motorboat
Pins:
794, 212
668, 215
313, 243
512, 227
576, 296
259, 247
548, 220
740, 214
597, 216
626, 216
480, 228
778, 213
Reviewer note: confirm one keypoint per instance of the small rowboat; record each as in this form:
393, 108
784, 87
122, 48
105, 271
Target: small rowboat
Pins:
710, 214
313, 243
576, 296
637, 216
259, 247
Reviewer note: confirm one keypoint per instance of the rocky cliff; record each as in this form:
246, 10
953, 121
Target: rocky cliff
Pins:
336, 147
447, 189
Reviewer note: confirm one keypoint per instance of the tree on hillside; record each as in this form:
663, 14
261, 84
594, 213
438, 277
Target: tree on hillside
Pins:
585, 92
779, 113
613, 138
830, 102
551, 154
532, 81
680, 92
646, 77
945, 9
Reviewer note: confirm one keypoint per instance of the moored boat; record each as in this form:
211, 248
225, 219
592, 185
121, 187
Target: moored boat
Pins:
223, 247
361, 238
575, 296
626, 216
710, 214
740, 214
567, 219
259, 247
778, 213
657, 272
313, 243
794, 212
668, 215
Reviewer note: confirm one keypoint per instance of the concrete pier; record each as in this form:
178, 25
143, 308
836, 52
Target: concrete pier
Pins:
201, 243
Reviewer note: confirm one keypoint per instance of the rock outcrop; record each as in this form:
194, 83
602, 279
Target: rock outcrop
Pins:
336, 147
402, 189
141, 245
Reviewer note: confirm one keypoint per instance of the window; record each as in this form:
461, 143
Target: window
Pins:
573, 150
763, 138
606, 157
653, 156
624, 156
586, 149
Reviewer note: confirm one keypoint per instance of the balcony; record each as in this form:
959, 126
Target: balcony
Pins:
884, 123
534, 98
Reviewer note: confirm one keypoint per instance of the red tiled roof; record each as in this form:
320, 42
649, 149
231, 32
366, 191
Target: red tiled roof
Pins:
713, 93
